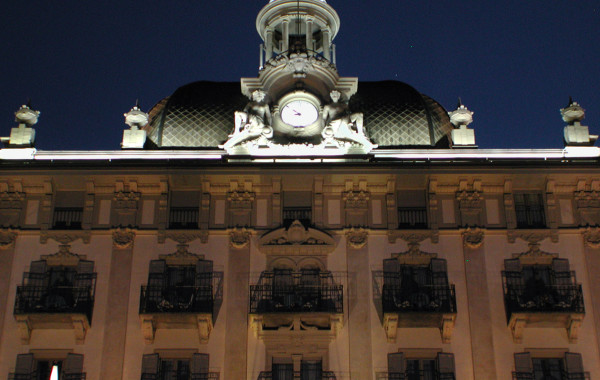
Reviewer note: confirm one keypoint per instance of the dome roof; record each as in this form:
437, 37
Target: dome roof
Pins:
201, 115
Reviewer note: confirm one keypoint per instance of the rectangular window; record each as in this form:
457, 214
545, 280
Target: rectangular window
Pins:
529, 209
297, 205
66, 368
412, 209
68, 210
184, 209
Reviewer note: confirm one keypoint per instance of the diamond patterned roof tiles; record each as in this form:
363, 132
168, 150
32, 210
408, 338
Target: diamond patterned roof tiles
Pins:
200, 115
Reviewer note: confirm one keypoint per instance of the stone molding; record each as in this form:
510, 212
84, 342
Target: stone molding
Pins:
182, 236
239, 237
241, 199
65, 237
7, 238
473, 238
414, 256
356, 238
296, 240
591, 237
532, 236
123, 238
181, 256
356, 199
413, 237
64, 257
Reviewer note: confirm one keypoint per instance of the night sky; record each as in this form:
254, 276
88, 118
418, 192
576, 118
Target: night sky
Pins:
514, 63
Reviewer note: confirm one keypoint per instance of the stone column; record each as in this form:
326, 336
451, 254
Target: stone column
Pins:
591, 240
286, 35
309, 36
7, 254
115, 328
269, 45
326, 45
359, 301
236, 322
480, 317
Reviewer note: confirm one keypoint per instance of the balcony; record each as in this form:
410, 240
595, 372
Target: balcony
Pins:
564, 376
183, 218
415, 375
56, 306
534, 303
67, 218
177, 375
286, 304
297, 375
412, 218
181, 306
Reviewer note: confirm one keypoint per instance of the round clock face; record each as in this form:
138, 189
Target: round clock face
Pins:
299, 113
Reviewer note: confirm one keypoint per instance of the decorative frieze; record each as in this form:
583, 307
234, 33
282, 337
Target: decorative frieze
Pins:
296, 240
183, 236
241, 199
356, 199
65, 237
532, 236
413, 237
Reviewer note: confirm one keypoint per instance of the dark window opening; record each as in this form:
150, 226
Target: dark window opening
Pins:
184, 210
529, 209
297, 205
68, 210
412, 209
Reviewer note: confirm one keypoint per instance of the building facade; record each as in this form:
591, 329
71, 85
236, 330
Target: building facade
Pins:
300, 225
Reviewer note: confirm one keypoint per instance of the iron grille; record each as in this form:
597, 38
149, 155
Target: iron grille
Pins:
412, 217
183, 218
67, 218
176, 299
537, 296
303, 375
419, 298
58, 298
296, 292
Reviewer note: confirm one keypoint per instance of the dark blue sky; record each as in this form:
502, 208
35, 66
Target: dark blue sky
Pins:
514, 63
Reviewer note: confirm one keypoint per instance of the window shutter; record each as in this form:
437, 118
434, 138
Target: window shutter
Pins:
391, 272
199, 364
562, 272
573, 364
512, 271
25, 364
396, 363
439, 271
157, 273
523, 364
445, 362
84, 280
73, 364
37, 274
150, 364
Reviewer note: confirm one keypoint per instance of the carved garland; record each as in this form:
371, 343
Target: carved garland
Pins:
473, 238
123, 238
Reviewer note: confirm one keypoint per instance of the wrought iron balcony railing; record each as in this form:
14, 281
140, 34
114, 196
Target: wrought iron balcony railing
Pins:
176, 299
419, 298
303, 214
538, 297
296, 298
35, 376
416, 375
412, 218
302, 375
56, 299
530, 216
183, 218
67, 218
174, 375
563, 376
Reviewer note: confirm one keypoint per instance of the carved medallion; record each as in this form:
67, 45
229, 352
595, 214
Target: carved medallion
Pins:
473, 238
7, 238
123, 238
591, 237
65, 237
357, 237
239, 238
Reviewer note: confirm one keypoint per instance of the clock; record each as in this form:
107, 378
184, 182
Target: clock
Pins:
299, 113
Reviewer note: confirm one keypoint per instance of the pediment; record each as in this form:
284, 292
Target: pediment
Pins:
296, 240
